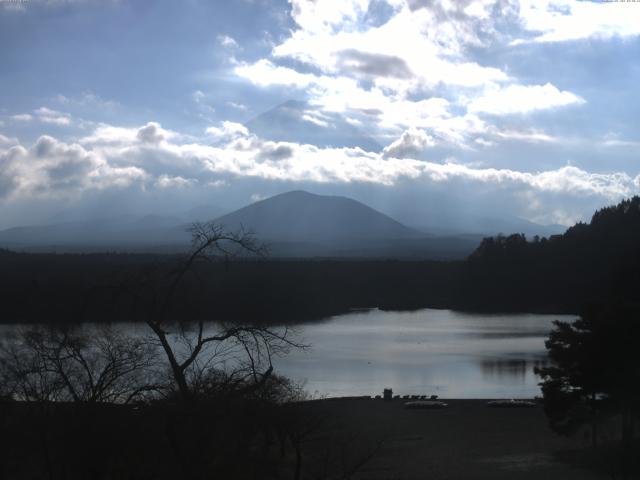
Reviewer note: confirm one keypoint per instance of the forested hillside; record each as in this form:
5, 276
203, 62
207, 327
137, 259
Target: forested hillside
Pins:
589, 263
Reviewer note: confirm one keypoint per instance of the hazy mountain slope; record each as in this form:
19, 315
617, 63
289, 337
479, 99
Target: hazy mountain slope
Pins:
466, 223
293, 224
124, 233
295, 121
318, 219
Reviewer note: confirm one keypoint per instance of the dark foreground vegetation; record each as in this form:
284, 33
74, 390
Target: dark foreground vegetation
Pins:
326, 439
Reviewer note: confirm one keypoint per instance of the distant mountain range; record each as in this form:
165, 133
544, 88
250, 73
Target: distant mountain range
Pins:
292, 224
467, 223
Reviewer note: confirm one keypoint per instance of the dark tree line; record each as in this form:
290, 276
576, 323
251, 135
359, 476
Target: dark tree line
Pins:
37, 287
598, 262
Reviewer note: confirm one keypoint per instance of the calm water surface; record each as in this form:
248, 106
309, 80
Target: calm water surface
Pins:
425, 352
441, 352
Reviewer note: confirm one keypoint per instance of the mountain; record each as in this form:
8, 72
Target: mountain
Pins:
147, 233
302, 224
459, 223
294, 224
304, 217
295, 121
202, 213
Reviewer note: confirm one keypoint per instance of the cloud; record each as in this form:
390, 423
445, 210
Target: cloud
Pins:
411, 143
424, 49
148, 160
238, 106
105, 135
9, 165
86, 99
317, 118
51, 168
166, 181
152, 132
227, 130
564, 20
326, 15
227, 41
612, 139
523, 99
22, 117
413, 69
55, 117
4, 140
372, 65
531, 136
265, 73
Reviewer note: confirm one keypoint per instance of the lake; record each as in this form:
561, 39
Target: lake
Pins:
425, 352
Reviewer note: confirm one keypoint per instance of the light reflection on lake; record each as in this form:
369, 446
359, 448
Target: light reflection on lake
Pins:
426, 352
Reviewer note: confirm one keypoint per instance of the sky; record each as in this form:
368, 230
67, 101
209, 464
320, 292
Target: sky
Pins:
521, 108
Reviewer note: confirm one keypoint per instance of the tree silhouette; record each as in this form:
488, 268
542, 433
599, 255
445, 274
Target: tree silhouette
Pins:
203, 355
594, 375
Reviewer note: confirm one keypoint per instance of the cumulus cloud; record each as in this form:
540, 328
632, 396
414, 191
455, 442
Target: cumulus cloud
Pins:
411, 143
152, 132
105, 134
325, 15
413, 69
227, 130
4, 140
54, 169
51, 168
8, 170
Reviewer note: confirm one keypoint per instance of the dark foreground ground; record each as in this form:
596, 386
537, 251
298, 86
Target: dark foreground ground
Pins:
466, 440
327, 439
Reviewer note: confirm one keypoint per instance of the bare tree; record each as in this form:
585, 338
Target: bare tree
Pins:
205, 355
56, 363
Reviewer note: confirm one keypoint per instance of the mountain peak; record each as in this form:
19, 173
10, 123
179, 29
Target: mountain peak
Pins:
301, 216
297, 121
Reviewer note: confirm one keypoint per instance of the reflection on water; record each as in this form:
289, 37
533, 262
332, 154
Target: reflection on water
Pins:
442, 352
509, 371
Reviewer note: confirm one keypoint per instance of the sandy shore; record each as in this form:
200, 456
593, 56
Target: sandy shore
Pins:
466, 440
